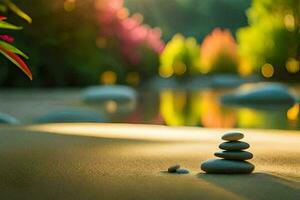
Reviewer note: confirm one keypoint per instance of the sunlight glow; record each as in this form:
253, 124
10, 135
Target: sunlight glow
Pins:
129, 131
154, 132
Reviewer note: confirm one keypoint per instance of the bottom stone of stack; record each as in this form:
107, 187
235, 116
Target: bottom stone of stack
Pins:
223, 166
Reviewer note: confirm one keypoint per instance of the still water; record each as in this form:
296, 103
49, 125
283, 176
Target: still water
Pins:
203, 108
168, 107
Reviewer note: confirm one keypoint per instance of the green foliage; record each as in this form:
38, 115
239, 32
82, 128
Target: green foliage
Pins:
13, 7
273, 35
6, 25
264, 42
61, 45
62, 42
149, 63
6, 49
224, 64
179, 56
12, 49
63, 48
191, 17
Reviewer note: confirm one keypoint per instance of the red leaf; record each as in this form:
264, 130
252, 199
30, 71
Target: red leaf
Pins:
2, 18
7, 38
20, 63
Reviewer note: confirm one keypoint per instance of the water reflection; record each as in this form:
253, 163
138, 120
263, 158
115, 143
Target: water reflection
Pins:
293, 116
201, 108
182, 108
213, 115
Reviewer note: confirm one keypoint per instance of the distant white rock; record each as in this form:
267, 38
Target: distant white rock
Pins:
159, 83
226, 81
7, 119
71, 116
117, 93
198, 83
262, 94
218, 81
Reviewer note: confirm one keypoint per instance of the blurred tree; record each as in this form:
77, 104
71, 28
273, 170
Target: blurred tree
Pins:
137, 43
66, 36
191, 17
180, 57
60, 42
271, 44
219, 53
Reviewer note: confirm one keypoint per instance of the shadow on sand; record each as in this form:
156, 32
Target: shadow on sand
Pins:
258, 186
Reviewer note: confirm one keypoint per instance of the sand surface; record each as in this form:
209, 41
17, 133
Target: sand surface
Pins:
121, 161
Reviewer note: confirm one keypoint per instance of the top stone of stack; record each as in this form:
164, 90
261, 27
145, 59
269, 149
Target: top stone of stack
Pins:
233, 136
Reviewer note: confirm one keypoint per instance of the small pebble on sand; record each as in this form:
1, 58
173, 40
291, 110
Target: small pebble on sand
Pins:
182, 171
173, 168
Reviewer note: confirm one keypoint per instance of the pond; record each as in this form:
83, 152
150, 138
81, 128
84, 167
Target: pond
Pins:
165, 107
203, 108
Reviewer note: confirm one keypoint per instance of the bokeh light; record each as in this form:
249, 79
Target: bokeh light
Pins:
293, 113
267, 70
289, 22
111, 106
292, 65
69, 5
133, 78
108, 77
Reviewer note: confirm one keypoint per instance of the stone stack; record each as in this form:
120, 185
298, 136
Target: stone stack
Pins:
233, 158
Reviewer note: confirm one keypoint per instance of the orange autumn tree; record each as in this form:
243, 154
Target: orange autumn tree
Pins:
219, 53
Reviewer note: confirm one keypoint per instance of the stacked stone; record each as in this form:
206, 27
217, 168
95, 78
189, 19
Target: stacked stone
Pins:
233, 158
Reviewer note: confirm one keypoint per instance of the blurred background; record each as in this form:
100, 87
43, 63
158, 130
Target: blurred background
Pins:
181, 56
